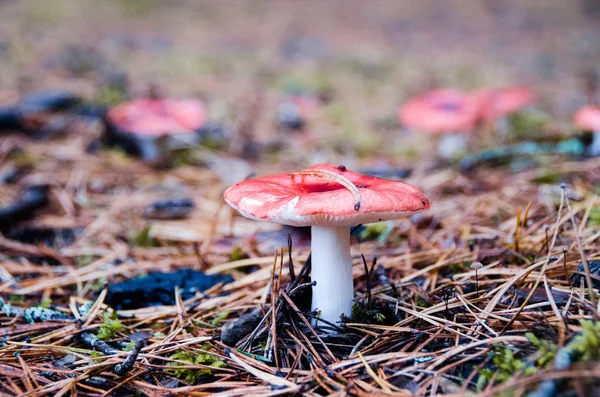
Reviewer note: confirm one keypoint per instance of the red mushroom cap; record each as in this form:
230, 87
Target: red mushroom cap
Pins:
158, 116
440, 111
305, 200
495, 103
588, 118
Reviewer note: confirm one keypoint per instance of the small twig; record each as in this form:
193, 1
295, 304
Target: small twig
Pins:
586, 265
290, 261
547, 240
92, 340
342, 180
384, 280
273, 380
307, 323
565, 267
122, 369
368, 281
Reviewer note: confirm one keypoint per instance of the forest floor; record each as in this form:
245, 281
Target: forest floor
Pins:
426, 321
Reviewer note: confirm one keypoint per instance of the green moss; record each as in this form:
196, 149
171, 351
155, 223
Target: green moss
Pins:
110, 95
586, 345
192, 375
379, 317
222, 316
526, 123
421, 302
545, 349
22, 158
213, 143
129, 346
364, 313
548, 179
357, 310
506, 365
374, 231
84, 260
594, 218
119, 152
142, 239
237, 254
46, 303
110, 326
181, 157
457, 268
98, 284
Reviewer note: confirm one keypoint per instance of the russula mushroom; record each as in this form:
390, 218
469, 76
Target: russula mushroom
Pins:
588, 119
450, 113
495, 104
137, 125
329, 199
499, 102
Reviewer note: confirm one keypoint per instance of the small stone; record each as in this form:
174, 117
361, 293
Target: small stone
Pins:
594, 271
235, 330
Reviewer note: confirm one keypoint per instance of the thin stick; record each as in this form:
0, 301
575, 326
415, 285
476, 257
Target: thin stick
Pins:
586, 265
342, 180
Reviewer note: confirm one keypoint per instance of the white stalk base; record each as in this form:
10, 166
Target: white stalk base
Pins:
452, 145
332, 270
595, 147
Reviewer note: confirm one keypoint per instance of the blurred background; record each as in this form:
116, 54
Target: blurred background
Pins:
243, 58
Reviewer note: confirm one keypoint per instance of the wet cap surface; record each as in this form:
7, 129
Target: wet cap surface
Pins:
305, 200
440, 111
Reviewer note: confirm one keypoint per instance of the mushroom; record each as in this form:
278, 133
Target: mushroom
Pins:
448, 112
330, 199
495, 104
137, 125
588, 119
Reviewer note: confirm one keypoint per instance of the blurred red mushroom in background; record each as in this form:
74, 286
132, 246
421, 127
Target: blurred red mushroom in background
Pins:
496, 104
450, 113
588, 119
138, 125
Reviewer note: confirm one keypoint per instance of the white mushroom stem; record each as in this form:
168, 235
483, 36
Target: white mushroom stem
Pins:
332, 271
595, 147
451, 145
